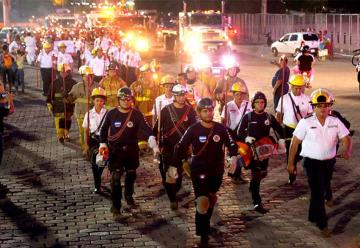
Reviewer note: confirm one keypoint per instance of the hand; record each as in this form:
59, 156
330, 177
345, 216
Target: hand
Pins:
291, 169
234, 160
156, 151
50, 107
249, 140
346, 155
172, 172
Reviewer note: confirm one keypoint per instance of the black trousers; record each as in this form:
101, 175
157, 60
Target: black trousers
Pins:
46, 76
165, 162
123, 159
97, 171
258, 172
205, 185
319, 174
288, 132
8, 77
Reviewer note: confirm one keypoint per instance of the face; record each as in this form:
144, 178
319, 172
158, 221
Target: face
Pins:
322, 109
182, 80
62, 49
99, 102
191, 75
259, 105
99, 53
125, 102
112, 73
180, 99
297, 90
168, 88
232, 72
207, 115
239, 96
47, 50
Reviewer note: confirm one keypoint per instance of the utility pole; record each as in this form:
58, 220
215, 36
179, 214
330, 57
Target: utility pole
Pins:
6, 12
263, 15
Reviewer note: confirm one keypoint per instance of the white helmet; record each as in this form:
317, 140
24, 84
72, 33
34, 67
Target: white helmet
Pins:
178, 89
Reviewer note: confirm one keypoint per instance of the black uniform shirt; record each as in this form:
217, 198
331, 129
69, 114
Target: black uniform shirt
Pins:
169, 116
258, 126
211, 160
114, 121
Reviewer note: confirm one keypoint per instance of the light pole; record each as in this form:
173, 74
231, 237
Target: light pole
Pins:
6, 12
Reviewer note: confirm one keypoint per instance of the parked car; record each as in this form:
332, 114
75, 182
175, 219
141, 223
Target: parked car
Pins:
291, 42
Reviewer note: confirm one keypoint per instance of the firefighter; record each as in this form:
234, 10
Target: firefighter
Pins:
95, 118
232, 115
171, 124
63, 57
230, 78
98, 64
57, 105
196, 89
45, 61
207, 165
208, 78
319, 133
111, 84
80, 95
254, 126
291, 108
167, 82
119, 138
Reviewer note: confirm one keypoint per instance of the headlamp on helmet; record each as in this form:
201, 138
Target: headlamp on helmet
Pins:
178, 90
124, 93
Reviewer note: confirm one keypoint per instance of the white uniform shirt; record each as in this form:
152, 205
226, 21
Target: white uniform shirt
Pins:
303, 101
123, 56
114, 51
87, 56
13, 47
64, 58
164, 101
235, 113
98, 66
30, 42
133, 59
319, 142
95, 119
45, 59
105, 43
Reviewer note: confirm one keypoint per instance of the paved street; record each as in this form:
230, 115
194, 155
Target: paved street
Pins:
51, 204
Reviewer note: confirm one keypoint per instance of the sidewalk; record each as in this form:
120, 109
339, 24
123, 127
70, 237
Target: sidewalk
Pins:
51, 204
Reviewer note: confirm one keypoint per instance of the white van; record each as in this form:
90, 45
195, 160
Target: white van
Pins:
291, 42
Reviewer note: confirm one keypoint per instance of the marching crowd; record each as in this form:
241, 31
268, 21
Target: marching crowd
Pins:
195, 123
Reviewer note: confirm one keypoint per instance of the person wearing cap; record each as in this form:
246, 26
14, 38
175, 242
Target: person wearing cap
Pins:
63, 57
280, 79
319, 133
111, 84
235, 111
80, 95
92, 123
254, 126
196, 89
45, 60
119, 137
171, 124
56, 102
167, 82
291, 108
229, 79
99, 64
207, 139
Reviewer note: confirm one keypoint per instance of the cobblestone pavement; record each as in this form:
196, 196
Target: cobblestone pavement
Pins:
51, 204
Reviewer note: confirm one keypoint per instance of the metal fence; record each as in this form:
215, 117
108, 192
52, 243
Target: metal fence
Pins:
343, 28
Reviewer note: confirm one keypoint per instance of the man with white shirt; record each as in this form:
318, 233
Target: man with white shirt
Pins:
99, 64
161, 101
46, 59
132, 63
292, 107
235, 110
319, 133
15, 45
63, 57
30, 44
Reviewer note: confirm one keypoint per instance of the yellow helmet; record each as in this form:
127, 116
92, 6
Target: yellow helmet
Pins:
297, 80
63, 67
144, 68
321, 95
61, 44
85, 70
167, 79
98, 92
46, 45
238, 87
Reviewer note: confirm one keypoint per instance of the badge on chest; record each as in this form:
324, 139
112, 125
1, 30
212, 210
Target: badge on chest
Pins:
117, 123
202, 139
